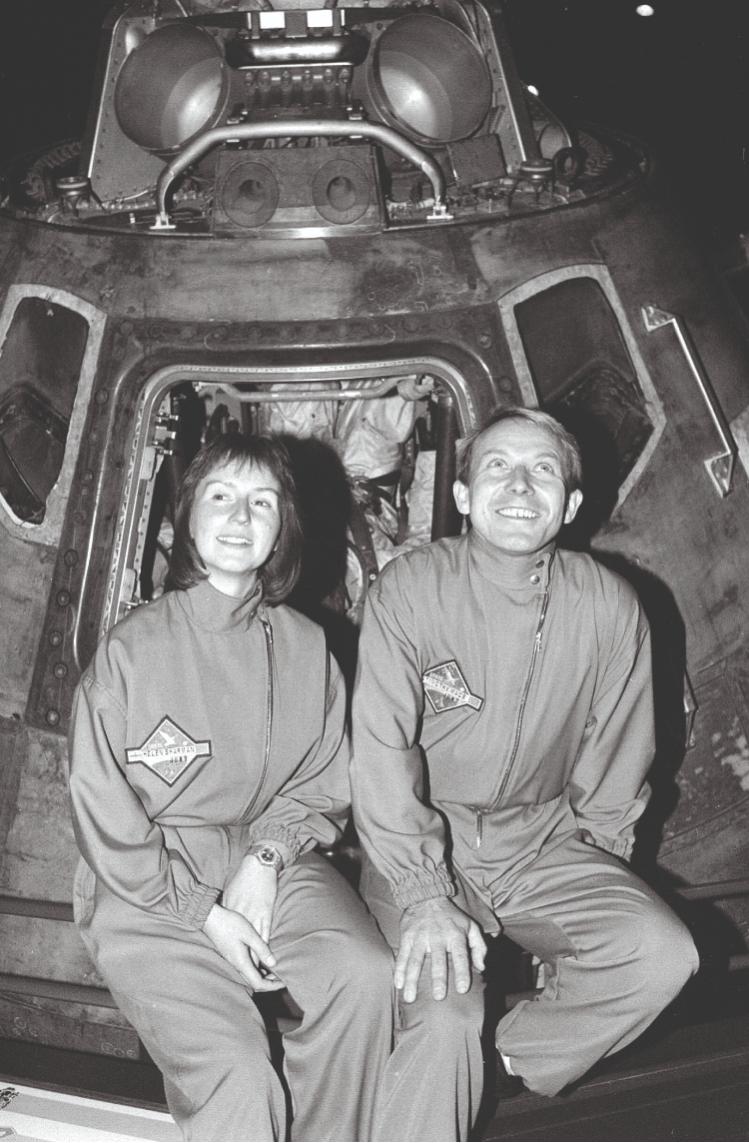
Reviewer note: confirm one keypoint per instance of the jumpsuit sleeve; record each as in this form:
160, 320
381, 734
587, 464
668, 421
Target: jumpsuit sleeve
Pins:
313, 805
608, 787
117, 839
402, 834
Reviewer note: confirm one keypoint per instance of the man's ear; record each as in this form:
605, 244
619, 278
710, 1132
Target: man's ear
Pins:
574, 500
462, 497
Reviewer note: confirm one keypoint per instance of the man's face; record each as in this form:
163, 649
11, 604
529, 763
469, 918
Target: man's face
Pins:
516, 495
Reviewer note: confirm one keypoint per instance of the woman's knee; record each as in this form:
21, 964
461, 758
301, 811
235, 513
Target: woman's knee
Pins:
362, 963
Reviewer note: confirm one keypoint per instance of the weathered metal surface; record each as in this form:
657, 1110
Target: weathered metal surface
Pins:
203, 305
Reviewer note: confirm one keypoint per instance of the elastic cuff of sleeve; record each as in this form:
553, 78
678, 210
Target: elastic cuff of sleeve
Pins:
414, 890
201, 903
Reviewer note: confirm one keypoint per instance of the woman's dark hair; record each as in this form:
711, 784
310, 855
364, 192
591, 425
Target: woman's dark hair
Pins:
568, 446
280, 573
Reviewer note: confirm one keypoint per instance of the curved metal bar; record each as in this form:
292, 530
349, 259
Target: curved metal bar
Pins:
299, 128
312, 392
721, 466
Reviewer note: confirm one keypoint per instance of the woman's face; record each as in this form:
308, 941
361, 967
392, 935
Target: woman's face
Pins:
234, 523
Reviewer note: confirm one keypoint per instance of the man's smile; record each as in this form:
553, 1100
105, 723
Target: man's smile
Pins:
518, 513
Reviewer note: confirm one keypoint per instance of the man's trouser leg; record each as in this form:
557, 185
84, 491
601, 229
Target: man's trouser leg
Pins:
616, 955
339, 971
434, 1079
201, 1026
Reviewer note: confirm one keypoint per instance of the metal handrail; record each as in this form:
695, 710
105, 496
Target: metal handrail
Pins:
299, 128
721, 466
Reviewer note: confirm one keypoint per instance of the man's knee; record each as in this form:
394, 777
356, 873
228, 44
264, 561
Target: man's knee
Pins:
668, 957
451, 1021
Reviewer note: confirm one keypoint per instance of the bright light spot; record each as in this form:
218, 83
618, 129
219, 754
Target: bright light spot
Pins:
645, 10
532, 89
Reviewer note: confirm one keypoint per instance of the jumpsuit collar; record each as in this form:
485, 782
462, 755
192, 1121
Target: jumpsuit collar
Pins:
212, 610
530, 571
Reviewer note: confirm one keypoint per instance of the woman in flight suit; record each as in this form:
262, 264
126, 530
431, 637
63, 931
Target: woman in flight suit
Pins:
207, 760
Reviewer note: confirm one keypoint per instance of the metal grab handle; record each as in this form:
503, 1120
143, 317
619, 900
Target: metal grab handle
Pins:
300, 128
721, 466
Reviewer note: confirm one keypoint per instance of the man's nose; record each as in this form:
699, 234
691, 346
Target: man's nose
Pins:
519, 479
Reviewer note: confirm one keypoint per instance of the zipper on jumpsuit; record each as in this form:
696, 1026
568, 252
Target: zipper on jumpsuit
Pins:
268, 633
481, 810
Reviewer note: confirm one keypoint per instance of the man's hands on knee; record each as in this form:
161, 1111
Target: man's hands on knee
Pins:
451, 940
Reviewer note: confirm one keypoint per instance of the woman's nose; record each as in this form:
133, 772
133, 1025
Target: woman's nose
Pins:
242, 509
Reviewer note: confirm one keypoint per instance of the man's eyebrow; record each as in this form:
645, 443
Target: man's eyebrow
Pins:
546, 454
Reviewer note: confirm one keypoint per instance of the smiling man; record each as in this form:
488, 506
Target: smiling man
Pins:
503, 730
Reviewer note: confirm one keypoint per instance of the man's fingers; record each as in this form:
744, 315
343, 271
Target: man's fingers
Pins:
439, 973
412, 974
408, 969
401, 960
477, 946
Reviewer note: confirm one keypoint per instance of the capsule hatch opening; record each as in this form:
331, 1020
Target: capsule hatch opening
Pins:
373, 456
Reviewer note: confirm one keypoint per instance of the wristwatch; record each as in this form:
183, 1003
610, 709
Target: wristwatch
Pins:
267, 855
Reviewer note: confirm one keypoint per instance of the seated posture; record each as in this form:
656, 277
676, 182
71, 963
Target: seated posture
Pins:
503, 729
208, 758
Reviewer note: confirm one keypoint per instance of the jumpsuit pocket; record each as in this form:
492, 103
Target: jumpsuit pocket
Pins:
84, 892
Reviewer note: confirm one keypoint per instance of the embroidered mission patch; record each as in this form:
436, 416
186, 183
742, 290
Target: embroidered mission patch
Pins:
168, 751
446, 688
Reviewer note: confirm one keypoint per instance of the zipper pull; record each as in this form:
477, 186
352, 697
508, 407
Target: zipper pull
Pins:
479, 828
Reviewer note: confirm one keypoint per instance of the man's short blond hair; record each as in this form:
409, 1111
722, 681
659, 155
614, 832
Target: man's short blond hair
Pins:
572, 465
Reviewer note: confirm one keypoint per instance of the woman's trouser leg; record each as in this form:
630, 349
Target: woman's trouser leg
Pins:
196, 1019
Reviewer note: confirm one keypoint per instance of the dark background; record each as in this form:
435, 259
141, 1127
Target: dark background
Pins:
677, 79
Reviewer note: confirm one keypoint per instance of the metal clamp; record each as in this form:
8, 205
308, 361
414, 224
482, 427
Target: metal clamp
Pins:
295, 128
721, 466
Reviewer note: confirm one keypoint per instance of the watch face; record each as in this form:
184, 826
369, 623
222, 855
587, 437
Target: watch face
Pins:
268, 856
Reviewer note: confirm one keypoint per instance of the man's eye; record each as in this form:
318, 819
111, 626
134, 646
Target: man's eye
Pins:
544, 466
496, 462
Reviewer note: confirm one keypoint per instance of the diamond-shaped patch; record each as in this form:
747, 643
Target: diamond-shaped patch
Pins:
168, 751
446, 688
